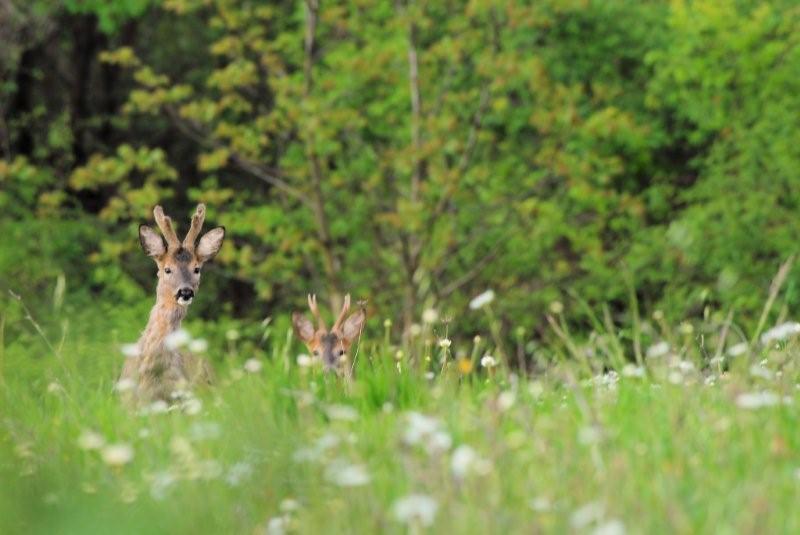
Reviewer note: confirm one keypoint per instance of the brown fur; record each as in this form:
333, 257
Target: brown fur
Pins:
158, 371
332, 346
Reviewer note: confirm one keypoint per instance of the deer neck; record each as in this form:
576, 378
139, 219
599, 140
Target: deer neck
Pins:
165, 318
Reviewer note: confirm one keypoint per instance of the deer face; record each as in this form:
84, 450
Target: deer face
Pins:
179, 263
331, 346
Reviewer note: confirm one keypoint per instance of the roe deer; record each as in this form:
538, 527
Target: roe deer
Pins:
330, 346
157, 370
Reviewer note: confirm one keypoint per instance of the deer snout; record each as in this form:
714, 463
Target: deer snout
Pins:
185, 295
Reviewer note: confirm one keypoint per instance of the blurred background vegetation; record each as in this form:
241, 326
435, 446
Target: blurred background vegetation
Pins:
412, 153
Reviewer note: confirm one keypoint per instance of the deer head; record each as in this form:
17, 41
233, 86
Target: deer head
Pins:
331, 346
179, 263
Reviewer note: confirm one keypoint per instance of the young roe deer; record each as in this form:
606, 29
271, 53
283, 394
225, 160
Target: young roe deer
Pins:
330, 346
157, 370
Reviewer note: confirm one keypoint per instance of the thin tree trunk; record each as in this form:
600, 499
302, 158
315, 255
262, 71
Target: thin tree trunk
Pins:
22, 103
84, 49
331, 263
411, 242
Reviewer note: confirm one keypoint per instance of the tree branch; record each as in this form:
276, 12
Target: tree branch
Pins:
196, 133
315, 167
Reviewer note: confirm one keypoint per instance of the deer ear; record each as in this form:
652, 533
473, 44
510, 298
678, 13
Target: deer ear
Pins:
152, 242
302, 327
353, 325
209, 244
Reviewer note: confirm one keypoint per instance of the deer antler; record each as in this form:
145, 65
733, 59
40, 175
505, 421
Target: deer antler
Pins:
197, 224
342, 314
312, 304
165, 224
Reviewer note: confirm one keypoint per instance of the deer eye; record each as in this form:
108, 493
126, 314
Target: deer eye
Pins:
167, 271
341, 352
316, 352
197, 270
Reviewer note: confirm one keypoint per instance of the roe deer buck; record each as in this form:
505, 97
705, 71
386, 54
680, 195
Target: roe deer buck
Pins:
157, 370
331, 346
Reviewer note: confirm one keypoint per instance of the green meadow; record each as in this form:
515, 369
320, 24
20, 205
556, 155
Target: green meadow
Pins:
696, 438
572, 226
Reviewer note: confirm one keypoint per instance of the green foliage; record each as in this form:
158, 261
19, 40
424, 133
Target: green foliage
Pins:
416, 154
110, 13
698, 450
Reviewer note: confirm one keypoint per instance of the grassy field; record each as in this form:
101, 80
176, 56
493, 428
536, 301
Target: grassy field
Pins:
693, 439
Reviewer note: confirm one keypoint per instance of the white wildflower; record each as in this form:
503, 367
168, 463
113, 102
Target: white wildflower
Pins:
419, 426
757, 400
289, 505
327, 441
462, 461
586, 514
192, 406
675, 377
610, 527
757, 370
177, 339
124, 385
430, 315
232, 335
738, 349
556, 307
277, 525
157, 407
445, 343
466, 460
180, 394
536, 389
631, 370
482, 300
91, 440
314, 452
416, 509
783, 331
506, 400
426, 431
130, 350
657, 350
304, 361
253, 365
541, 504
341, 412
117, 454
415, 329
429, 376
160, 484
198, 346
488, 361
439, 441
685, 366
608, 379
589, 434
238, 473
344, 474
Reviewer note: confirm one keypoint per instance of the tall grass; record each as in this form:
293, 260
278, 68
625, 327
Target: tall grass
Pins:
694, 431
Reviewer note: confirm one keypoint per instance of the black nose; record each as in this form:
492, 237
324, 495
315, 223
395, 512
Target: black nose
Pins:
185, 293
